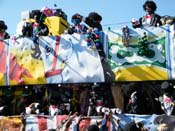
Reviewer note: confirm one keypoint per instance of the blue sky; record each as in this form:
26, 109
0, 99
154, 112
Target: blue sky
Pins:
112, 11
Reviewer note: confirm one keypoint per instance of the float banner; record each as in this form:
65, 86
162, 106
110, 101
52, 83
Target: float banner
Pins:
43, 122
142, 54
150, 122
49, 60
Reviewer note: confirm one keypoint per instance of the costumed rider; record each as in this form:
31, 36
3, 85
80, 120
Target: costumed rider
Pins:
93, 32
27, 30
77, 27
92, 20
3, 34
24, 27
150, 19
39, 28
36, 28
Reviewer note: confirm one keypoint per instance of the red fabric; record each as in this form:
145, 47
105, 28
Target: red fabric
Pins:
2, 34
42, 123
52, 73
84, 124
2, 57
35, 25
55, 52
60, 118
148, 16
54, 106
16, 70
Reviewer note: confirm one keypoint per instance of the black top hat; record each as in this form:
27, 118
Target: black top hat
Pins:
3, 25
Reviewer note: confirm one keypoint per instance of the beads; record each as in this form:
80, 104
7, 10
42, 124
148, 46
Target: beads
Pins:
93, 37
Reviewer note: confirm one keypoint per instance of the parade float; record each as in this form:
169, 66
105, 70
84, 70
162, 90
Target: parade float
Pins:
61, 60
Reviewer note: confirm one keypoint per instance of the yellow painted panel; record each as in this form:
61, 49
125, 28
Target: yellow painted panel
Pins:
2, 79
141, 73
57, 25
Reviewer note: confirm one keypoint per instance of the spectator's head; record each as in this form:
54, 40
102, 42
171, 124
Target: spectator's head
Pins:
134, 126
150, 7
34, 108
93, 128
163, 127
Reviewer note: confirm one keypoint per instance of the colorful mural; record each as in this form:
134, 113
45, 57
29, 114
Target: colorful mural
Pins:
140, 55
147, 56
59, 59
